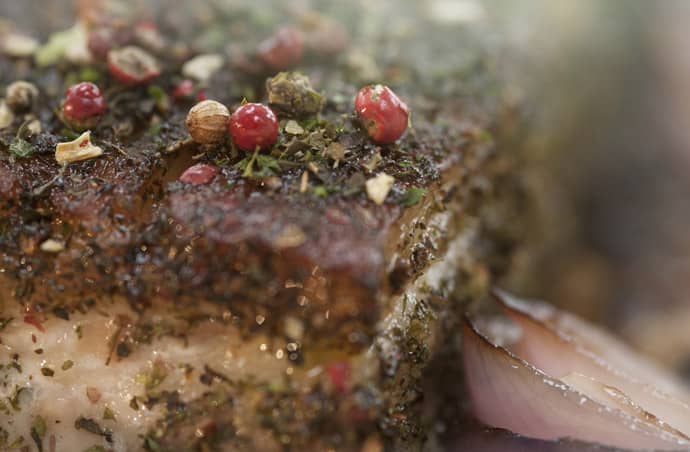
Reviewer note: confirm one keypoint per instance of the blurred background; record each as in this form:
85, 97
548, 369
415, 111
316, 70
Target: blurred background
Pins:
608, 88
610, 163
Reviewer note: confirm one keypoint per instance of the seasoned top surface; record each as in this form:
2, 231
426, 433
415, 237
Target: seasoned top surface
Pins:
127, 225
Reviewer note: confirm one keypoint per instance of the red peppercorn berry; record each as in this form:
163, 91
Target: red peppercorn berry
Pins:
83, 107
339, 373
104, 38
252, 126
183, 89
283, 50
132, 65
199, 174
382, 113
99, 43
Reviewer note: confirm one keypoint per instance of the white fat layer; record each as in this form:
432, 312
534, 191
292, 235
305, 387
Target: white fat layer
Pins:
62, 398
441, 275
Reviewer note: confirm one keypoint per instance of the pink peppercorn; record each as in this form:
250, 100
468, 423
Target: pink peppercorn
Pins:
199, 174
132, 65
252, 126
339, 374
83, 107
283, 50
383, 114
183, 89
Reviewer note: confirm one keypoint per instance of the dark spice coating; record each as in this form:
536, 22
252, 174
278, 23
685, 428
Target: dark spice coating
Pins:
95, 207
224, 241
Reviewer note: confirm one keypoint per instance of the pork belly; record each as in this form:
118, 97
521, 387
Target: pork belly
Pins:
319, 353
277, 306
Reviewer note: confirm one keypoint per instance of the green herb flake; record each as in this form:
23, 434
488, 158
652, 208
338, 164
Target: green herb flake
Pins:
152, 445
221, 161
96, 449
158, 94
21, 148
412, 196
15, 365
85, 74
16, 443
108, 414
78, 331
157, 375
89, 425
67, 364
38, 432
92, 426
47, 372
89, 74
309, 124
5, 322
484, 136
69, 134
155, 129
266, 162
266, 165
322, 191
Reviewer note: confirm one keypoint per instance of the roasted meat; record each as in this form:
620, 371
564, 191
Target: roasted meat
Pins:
277, 305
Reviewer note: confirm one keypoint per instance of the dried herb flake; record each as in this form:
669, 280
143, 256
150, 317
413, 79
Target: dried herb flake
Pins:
265, 163
21, 148
92, 426
152, 445
96, 449
108, 414
158, 94
38, 432
5, 322
412, 196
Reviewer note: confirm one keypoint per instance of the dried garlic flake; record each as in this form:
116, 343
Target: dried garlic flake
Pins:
378, 187
79, 149
52, 246
6, 116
